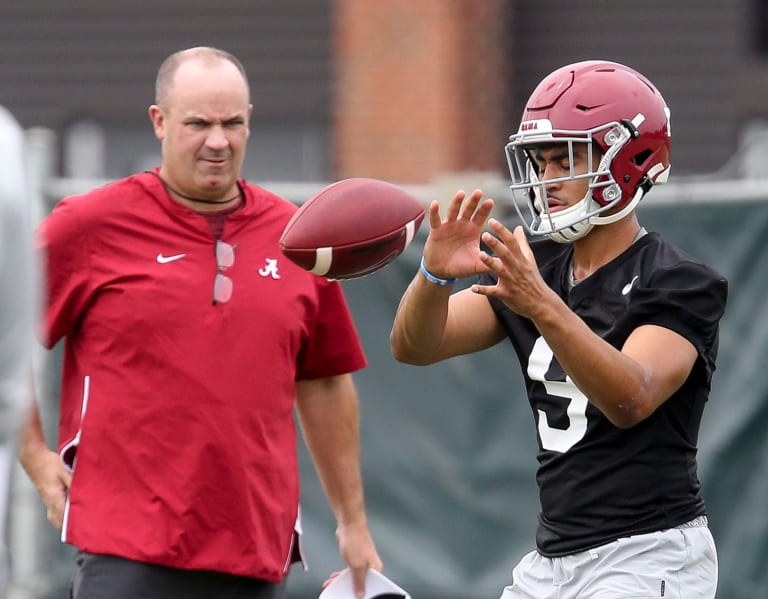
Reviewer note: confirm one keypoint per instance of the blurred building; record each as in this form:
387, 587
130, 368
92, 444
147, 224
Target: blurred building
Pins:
402, 90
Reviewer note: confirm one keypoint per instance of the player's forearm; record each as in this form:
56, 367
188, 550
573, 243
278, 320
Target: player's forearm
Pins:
420, 322
612, 381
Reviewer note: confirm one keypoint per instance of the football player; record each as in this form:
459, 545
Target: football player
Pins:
615, 329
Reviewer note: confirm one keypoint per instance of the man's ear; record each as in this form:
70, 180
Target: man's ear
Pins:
157, 117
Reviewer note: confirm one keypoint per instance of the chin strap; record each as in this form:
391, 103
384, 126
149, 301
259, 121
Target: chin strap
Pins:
582, 228
656, 176
612, 218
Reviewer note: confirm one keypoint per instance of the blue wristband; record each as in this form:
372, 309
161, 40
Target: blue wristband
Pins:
432, 278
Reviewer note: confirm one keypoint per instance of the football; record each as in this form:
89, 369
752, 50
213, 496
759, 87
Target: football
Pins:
352, 228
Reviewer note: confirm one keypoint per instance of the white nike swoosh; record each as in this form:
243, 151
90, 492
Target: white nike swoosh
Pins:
165, 259
628, 287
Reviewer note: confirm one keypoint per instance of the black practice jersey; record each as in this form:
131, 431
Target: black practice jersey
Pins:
598, 482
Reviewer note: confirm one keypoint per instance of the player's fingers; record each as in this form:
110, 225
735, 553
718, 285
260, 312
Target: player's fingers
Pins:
482, 289
454, 206
515, 245
522, 243
434, 214
497, 245
483, 211
501, 231
469, 206
493, 265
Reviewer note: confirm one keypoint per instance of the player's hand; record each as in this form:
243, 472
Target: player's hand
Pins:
359, 553
452, 247
519, 284
52, 481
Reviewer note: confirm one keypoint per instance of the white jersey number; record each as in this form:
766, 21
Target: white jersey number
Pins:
556, 439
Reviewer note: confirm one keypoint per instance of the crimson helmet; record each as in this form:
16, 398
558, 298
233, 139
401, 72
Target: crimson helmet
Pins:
592, 102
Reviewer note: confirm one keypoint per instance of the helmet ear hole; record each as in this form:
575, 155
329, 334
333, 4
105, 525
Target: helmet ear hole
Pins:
640, 158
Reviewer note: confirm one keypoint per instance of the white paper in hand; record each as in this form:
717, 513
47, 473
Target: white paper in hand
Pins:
377, 586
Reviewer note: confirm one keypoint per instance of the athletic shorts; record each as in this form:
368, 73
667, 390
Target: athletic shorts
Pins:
100, 576
678, 563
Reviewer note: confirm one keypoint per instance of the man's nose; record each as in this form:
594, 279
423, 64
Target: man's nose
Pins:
217, 140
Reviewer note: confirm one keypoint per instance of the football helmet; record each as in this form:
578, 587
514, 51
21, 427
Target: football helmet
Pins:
591, 102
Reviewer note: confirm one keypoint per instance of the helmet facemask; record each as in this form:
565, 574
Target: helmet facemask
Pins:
603, 193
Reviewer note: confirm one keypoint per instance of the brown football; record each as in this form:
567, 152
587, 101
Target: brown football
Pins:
352, 228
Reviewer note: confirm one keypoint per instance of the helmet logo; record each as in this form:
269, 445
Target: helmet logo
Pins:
535, 126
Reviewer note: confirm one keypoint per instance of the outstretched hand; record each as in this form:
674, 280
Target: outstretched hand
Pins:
452, 249
519, 284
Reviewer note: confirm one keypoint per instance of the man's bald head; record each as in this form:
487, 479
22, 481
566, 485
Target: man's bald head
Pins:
205, 54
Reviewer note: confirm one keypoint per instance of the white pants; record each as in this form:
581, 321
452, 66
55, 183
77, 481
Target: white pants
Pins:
679, 563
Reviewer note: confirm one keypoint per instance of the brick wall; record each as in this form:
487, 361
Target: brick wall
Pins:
417, 89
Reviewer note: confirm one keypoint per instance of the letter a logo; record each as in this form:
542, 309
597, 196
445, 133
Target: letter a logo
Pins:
270, 270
